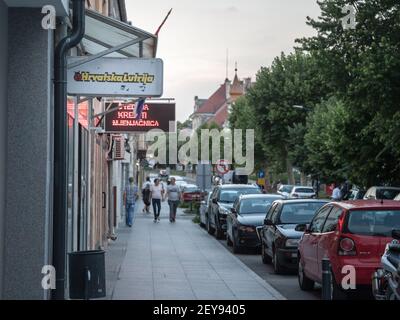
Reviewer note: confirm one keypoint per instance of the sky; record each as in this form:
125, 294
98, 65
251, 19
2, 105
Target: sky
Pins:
193, 42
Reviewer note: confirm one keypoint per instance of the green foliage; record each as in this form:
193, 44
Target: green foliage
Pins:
268, 108
362, 68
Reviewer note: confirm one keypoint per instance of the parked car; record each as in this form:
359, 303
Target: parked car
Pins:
181, 184
246, 215
163, 173
152, 177
302, 192
355, 194
349, 233
222, 199
378, 193
191, 192
279, 239
177, 178
285, 190
204, 208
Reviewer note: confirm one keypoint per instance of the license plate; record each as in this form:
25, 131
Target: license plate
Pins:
294, 255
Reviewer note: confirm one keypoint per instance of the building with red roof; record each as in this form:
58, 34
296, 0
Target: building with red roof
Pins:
216, 108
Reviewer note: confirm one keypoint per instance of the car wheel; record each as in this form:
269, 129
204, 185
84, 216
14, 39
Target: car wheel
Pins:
210, 229
220, 235
390, 295
228, 240
266, 259
236, 247
305, 283
278, 268
336, 292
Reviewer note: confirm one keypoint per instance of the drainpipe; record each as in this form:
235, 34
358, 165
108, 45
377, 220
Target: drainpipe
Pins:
60, 146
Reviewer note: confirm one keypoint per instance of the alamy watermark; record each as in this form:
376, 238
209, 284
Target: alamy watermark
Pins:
234, 146
49, 279
49, 20
349, 20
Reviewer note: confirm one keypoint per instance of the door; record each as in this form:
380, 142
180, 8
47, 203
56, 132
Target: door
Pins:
231, 220
328, 241
270, 230
310, 243
268, 216
214, 207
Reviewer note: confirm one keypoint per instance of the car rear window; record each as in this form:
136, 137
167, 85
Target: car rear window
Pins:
230, 195
298, 213
253, 206
304, 190
287, 189
387, 194
373, 222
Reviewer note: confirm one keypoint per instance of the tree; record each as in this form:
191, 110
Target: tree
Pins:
291, 80
362, 68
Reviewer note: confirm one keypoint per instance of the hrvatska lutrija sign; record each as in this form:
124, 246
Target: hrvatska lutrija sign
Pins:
115, 77
153, 116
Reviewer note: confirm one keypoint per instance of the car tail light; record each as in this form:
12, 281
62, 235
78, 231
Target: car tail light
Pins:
347, 247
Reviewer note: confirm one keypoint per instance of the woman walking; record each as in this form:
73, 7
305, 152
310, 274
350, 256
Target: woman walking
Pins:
146, 195
174, 196
156, 194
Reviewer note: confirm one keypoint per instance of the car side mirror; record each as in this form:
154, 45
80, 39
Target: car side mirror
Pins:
396, 234
233, 210
214, 201
268, 222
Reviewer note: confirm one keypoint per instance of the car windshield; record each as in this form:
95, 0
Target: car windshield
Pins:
373, 222
253, 206
304, 190
287, 189
230, 195
299, 213
387, 194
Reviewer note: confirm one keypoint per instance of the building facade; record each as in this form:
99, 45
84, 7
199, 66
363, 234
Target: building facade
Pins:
95, 177
216, 108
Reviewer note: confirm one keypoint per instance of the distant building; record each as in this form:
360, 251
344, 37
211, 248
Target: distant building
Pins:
216, 108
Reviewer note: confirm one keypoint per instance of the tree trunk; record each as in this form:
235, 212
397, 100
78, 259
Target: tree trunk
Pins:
290, 173
303, 179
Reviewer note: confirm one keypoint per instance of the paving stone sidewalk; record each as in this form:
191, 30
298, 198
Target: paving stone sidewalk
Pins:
180, 261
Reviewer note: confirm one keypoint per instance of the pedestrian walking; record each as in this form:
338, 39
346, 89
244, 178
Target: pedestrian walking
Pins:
157, 193
174, 196
146, 195
336, 194
131, 194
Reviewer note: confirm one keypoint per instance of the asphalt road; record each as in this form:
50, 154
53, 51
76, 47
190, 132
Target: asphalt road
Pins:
286, 284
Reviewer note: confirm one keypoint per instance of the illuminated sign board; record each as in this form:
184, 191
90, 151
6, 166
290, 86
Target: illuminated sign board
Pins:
125, 119
116, 77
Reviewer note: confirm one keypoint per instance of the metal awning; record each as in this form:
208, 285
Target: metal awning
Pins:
104, 33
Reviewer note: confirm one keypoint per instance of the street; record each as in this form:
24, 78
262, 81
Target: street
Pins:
286, 284
181, 261
272, 125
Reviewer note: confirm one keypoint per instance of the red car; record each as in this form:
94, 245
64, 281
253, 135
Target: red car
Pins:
191, 192
351, 233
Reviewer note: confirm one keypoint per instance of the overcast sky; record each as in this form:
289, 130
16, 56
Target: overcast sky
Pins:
194, 40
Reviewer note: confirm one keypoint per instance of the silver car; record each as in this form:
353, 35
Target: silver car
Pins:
302, 192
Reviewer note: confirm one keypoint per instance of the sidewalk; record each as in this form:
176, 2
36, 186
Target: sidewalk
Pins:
182, 262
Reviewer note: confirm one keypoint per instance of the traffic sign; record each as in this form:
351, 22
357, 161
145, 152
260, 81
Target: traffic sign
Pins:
222, 166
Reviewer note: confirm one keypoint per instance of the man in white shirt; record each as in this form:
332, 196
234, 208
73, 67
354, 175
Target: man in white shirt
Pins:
157, 194
336, 194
